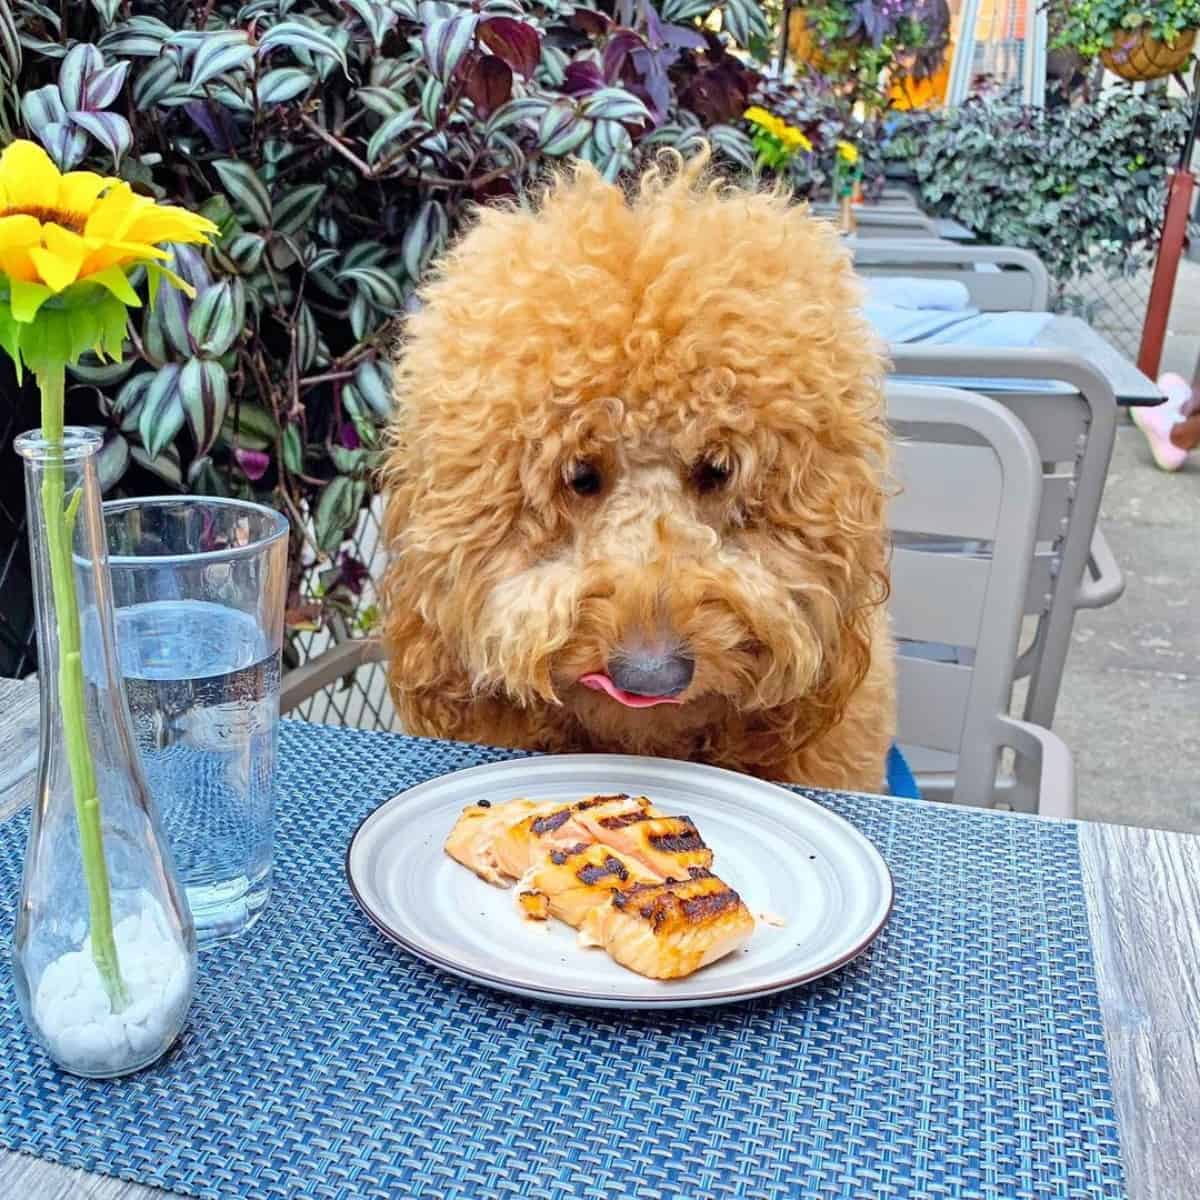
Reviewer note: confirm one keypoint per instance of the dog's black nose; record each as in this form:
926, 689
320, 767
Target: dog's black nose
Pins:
651, 672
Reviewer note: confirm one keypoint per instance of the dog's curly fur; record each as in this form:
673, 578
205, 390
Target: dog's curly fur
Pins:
656, 337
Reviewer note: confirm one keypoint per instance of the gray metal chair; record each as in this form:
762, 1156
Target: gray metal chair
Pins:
900, 196
998, 278
1074, 431
969, 473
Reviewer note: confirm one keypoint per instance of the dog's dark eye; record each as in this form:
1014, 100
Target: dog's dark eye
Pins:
585, 479
709, 476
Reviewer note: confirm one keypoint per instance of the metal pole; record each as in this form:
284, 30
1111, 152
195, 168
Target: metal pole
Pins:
1170, 248
1033, 65
964, 55
781, 63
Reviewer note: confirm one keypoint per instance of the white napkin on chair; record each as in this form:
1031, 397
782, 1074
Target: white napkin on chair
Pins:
920, 292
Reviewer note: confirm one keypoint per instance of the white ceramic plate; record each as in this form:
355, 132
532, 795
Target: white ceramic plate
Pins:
785, 855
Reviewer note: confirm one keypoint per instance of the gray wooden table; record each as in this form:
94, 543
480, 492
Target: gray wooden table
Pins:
1143, 897
1129, 385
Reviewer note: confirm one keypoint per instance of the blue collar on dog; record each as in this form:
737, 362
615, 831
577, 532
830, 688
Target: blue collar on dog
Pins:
900, 781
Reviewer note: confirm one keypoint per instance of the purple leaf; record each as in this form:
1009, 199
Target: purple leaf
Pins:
348, 436
444, 42
655, 84
517, 43
679, 37
593, 23
352, 572
214, 122
617, 50
109, 129
582, 77
488, 82
80, 64
654, 27
189, 263
103, 87
254, 463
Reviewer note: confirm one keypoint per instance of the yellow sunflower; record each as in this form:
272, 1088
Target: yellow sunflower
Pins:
67, 243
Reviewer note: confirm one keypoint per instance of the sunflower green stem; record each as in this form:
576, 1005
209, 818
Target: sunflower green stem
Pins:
60, 526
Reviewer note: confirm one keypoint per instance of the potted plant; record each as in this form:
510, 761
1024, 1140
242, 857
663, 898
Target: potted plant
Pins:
1136, 39
861, 39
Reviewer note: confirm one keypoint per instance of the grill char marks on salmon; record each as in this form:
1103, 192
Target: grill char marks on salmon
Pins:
668, 930
576, 879
525, 843
669, 846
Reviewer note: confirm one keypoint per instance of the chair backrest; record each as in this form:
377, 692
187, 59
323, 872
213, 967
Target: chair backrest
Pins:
899, 196
891, 223
969, 474
1074, 429
998, 278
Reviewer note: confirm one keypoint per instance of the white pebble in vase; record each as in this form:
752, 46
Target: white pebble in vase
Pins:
72, 1008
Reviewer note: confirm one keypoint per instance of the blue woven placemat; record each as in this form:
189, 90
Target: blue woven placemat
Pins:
962, 1057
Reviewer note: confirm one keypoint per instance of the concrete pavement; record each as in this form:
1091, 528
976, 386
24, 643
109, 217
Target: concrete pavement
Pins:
1130, 702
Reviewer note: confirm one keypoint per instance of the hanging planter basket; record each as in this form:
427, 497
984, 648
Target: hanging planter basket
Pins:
807, 49
1138, 57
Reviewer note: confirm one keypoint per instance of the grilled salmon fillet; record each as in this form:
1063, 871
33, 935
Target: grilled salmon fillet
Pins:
669, 846
630, 878
530, 839
471, 841
573, 880
668, 930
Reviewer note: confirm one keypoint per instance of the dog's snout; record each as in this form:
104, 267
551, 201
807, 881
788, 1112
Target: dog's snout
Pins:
644, 671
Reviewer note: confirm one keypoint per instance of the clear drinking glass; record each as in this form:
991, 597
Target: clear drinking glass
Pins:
199, 586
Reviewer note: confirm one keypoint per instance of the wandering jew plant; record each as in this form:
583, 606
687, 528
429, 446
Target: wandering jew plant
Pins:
336, 147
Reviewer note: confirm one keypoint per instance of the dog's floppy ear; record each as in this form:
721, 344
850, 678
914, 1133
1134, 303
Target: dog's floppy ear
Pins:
827, 497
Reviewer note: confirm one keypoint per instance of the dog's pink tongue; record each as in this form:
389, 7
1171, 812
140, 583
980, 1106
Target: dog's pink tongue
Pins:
600, 682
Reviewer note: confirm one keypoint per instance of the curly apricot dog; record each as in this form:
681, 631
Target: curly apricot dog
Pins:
636, 487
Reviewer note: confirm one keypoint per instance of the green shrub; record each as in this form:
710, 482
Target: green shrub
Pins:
1084, 187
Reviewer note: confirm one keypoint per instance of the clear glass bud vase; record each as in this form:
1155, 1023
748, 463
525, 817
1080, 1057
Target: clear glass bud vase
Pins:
104, 951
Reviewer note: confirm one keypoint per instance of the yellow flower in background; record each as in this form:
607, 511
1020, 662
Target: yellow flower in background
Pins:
776, 140
847, 152
760, 117
793, 139
66, 245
